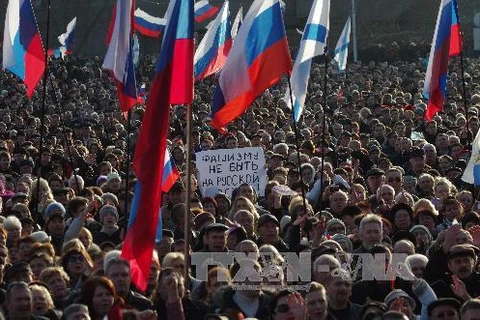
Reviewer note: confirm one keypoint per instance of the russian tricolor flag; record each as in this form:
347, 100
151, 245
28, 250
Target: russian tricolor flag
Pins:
119, 57
446, 43
204, 10
172, 84
23, 52
258, 59
148, 25
213, 50
170, 172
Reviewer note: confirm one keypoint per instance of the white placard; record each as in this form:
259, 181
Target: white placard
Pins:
226, 169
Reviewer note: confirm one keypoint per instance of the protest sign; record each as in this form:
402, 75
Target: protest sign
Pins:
226, 169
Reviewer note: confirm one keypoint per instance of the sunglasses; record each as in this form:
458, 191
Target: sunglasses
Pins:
393, 179
76, 259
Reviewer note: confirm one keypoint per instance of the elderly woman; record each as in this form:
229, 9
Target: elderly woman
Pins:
43, 302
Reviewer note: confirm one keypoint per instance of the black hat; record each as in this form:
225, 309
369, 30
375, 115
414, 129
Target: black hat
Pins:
215, 227
443, 302
27, 162
417, 153
277, 155
267, 218
167, 233
375, 172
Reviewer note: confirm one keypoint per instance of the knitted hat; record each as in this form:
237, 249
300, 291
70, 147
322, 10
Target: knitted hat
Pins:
424, 229
108, 208
113, 176
344, 241
54, 206
286, 220
333, 221
399, 293
108, 196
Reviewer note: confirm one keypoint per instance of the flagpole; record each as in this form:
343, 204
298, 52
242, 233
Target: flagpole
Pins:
464, 96
295, 129
322, 167
42, 116
354, 29
127, 170
187, 225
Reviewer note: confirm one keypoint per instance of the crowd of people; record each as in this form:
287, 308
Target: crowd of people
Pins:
363, 176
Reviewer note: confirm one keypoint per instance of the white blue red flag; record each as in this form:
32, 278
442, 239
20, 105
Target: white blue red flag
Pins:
148, 25
212, 52
172, 84
341, 49
446, 43
204, 10
23, 52
119, 57
313, 43
258, 59
170, 172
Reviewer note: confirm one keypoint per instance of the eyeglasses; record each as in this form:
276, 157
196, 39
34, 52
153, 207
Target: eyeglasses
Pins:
393, 179
282, 308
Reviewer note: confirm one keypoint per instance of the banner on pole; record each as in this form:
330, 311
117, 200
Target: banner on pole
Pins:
226, 169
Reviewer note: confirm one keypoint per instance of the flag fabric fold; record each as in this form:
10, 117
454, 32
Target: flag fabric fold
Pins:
237, 22
258, 59
148, 25
119, 57
66, 39
446, 43
204, 10
341, 49
213, 50
313, 43
23, 52
170, 172
172, 84
471, 174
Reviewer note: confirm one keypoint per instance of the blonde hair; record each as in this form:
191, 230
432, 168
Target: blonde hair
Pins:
250, 205
424, 204
41, 289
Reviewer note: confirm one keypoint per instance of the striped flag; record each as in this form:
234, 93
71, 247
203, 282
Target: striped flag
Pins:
119, 56
313, 43
172, 84
170, 172
148, 25
204, 10
341, 49
446, 43
23, 53
258, 59
213, 50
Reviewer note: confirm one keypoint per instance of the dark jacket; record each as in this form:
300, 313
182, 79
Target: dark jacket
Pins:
138, 301
352, 312
280, 245
443, 290
192, 309
223, 300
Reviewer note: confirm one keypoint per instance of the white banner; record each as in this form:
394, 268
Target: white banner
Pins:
226, 169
